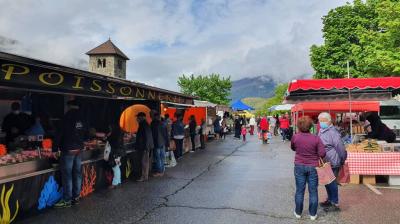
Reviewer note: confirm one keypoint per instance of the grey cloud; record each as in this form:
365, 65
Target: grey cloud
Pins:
237, 38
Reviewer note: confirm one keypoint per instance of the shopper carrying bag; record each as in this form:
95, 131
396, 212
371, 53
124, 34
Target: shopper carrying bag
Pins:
325, 173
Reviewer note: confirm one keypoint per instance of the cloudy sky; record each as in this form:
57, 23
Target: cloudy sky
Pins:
167, 38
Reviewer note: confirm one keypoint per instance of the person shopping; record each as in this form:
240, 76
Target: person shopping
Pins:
264, 127
160, 141
284, 125
192, 131
309, 149
336, 154
178, 134
144, 145
244, 132
203, 133
115, 139
252, 123
71, 140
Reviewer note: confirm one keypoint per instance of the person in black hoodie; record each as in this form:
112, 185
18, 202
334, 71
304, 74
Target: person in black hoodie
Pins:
379, 130
144, 145
115, 139
192, 130
161, 141
71, 143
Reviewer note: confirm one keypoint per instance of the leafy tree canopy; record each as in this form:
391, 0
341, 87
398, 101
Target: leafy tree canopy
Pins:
212, 88
365, 33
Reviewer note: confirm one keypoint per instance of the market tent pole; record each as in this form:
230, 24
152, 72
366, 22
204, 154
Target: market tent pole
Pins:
350, 104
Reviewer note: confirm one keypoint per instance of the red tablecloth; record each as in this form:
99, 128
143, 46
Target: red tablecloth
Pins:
387, 163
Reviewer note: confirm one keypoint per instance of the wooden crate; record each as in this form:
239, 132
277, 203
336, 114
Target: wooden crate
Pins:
368, 179
354, 179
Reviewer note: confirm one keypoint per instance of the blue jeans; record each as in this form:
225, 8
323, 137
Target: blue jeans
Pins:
332, 189
284, 132
71, 173
303, 175
159, 157
117, 175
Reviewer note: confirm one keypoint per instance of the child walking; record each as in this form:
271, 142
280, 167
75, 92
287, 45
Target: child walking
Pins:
244, 132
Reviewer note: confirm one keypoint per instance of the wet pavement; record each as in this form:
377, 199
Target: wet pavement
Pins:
229, 182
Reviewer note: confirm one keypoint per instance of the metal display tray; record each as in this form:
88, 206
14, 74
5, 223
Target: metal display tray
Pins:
24, 168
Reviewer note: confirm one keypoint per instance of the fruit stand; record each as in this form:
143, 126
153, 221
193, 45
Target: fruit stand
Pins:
29, 173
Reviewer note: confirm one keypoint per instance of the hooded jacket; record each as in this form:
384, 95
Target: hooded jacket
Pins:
336, 153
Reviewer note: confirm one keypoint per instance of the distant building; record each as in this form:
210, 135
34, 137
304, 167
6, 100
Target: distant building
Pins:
108, 59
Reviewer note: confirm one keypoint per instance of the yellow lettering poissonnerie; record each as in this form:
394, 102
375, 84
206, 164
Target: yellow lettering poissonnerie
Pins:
10, 69
111, 89
139, 93
78, 82
125, 91
95, 86
151, 95
47, 78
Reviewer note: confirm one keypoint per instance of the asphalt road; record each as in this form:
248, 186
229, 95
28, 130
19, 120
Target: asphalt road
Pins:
229, 182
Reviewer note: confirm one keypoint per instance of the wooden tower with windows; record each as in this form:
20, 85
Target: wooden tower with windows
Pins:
108, 59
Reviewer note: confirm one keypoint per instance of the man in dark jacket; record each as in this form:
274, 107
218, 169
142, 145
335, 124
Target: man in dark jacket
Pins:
160, 139
144, 145
192, 130
71, 143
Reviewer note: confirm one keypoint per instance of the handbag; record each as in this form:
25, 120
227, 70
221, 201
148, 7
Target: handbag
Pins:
107, 151
344, 174
325, 173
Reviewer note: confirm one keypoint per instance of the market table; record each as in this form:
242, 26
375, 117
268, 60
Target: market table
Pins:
387, 163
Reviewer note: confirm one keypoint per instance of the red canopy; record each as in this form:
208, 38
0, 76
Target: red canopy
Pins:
353, 83
338, 106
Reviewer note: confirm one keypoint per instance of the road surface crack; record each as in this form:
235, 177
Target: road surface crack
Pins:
164, 204
249, 212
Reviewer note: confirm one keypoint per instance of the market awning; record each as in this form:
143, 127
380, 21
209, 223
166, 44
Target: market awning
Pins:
337, 89
339, 106
17, 72
353, 83
281, 107
239, 105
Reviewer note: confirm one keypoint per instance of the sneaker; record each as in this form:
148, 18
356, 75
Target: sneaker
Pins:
297, 216
332, 208
325, 204
313, 218
62, 204
192, 151
75, 201
140, 180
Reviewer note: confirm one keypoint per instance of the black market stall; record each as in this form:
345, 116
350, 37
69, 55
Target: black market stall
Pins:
29, 176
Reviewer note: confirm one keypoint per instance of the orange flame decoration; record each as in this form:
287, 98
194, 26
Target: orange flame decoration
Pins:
5, 218
47, 144
3, 150
89, 180
128, 169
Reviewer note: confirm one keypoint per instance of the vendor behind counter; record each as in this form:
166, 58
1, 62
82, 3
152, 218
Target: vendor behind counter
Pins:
16, 123
379, 130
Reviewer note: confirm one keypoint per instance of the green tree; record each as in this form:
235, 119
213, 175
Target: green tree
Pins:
341, 37
379, 52
212, 88
279, 96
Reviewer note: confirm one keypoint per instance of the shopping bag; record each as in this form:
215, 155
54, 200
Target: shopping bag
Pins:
170, 159
107, 151
344, 174
325, 173
259, 135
